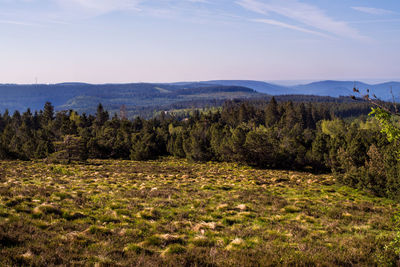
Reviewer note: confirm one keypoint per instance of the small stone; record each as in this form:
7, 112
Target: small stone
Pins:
222, 207
242, 207
27, 255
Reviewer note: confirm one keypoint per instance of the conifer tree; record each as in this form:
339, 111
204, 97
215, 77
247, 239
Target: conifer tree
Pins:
272, 115
48, 113
101, 115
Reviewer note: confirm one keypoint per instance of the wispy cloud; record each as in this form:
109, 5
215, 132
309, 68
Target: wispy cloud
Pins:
73, 10
292, 27
374, 21
100, 6
14, 22
372, 10
199, 1
304, 14
45, 12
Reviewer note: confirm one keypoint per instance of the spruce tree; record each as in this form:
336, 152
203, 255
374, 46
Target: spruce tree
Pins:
48, 113
272, 115
101, 115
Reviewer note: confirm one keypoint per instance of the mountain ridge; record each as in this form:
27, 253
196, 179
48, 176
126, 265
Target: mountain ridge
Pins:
84, 97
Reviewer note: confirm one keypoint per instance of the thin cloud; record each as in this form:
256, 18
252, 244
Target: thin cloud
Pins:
253, 6
374, 21
43, 12
69, 11
21, 23
100, 6
199, 1
372, 10
292, 27
303, 13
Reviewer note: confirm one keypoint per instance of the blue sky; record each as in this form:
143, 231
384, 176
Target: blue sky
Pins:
102, 41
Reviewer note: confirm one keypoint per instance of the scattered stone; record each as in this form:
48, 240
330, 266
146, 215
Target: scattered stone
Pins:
241, 207
27, 255
171, 239
237, 243
222, 207
205, 226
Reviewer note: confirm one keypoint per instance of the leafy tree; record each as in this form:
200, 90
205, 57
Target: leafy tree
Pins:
389, 123
389, 120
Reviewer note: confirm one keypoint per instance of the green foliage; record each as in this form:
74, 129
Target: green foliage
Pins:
272, 115
48, 112
146, 146
72, 148
62, 170
333, 128
101, 116
197, 145
261, 148
387, 122
266, 134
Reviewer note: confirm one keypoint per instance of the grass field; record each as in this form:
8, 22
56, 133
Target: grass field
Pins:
174, 213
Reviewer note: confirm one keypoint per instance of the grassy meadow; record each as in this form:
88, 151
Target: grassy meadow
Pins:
177, 213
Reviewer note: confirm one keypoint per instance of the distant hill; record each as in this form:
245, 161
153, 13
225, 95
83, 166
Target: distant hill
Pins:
329, 88
136, 96
146, 98
345, 88
262, 87
321, 88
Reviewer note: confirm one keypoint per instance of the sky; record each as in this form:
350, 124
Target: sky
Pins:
119, 41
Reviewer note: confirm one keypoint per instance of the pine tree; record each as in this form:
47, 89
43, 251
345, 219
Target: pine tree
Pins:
290, 116
48, 113
272, 115
101, 115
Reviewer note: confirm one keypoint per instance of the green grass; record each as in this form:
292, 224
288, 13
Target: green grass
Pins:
176, 213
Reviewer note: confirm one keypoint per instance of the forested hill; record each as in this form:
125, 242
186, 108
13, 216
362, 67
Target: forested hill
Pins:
320, 88
136, 96
146, 99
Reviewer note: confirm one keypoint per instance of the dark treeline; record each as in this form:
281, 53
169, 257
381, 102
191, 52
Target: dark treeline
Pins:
284, 135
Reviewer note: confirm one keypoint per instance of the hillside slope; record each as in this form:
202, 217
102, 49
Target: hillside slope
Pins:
85, 97
320, 88
177, 213
147, 98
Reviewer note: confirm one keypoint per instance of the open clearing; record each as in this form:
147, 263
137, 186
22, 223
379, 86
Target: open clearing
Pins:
172, 212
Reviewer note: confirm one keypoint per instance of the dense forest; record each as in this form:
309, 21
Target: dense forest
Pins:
148, 99
319, 137
140, 99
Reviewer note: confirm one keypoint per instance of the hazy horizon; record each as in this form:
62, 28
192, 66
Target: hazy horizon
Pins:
276, 82
120, 41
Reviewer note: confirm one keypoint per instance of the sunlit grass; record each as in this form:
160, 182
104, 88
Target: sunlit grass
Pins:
173, 212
